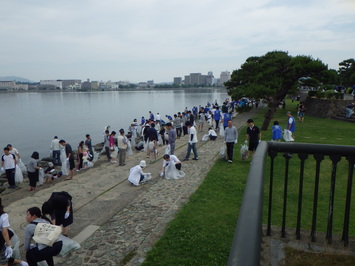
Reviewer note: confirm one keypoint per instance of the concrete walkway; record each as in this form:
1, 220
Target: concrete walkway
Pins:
112, 219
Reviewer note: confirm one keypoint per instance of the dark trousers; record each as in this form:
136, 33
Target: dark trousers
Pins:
56, 157
33, 178
184, 129
178, 131
80, 160
191, 146
35, 255
178, 166
230, 148
107, 149
172, 148
217, 123
10, 175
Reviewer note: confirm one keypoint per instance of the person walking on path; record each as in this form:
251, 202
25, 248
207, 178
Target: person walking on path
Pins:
177, 124
89, 146
8, 163
122, 146
253, 136
70, 158
230, 138
55, 147
301, 111
291, 123
217, 117
191, 142
172, 137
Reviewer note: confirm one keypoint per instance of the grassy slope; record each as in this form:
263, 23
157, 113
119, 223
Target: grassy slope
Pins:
202, 232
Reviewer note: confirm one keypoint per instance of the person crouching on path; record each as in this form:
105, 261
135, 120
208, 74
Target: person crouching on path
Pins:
136, 174
167, 160
122, 145
230, 138
40, 252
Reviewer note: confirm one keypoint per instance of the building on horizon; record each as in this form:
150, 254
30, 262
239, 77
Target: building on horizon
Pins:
177, 80
57, 84
71, 84
150, 83
224, 77
13, 86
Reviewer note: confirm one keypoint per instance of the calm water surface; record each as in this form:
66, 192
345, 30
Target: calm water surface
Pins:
29, 121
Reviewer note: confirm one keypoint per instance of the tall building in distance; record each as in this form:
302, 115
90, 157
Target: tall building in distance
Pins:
178, 80
225, 76
195, 78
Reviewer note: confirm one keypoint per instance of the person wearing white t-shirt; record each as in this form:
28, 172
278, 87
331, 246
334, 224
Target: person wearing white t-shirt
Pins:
191, 142
55, 147
8, 164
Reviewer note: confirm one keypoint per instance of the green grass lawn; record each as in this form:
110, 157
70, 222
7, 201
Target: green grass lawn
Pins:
202, 232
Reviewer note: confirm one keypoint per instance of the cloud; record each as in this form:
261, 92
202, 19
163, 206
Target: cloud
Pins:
180, 34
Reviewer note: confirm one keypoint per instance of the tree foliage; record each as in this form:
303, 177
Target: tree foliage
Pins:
347, 72
274, 75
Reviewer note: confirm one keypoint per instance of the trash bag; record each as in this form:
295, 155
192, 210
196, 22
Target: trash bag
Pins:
114, 153
22, 166
160, 140
167, 149
18, 175
172, 173
15, 244
244, 151
223, 152
205, 137
151, 146
221, 131
129, 149
69, 245
288, 135
41, 176
65, 167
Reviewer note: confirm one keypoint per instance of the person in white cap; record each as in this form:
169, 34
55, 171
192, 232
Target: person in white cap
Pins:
136, 174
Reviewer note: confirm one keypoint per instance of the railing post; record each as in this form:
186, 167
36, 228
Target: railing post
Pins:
287, 156
303, 157
345, 236
319, 158
335, 159
272, 155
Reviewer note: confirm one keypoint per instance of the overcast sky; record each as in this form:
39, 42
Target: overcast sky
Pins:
140, 40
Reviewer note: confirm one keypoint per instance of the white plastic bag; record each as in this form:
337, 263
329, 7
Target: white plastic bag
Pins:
65, 167
288, 135
244, 151
167, 149
69, 245
129, 149
41, 176
114, 153
222, 152
221, 131
205, 137
172, 173
18, 175
22, 166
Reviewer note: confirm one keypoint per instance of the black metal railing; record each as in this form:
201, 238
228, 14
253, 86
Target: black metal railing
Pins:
246, 247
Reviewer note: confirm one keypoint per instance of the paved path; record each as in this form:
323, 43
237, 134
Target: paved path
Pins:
128, 219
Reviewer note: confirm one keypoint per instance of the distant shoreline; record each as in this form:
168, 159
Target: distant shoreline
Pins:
150, 89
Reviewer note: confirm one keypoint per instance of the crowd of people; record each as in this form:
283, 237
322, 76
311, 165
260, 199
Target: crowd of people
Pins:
144, 136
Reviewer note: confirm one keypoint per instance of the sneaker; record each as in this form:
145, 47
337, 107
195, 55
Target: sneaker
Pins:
186, 159
230, 161
195, 159
114, 162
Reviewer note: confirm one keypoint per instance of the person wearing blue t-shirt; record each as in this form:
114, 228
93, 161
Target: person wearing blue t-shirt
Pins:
291, 124
226, 118
217, 116
276, 131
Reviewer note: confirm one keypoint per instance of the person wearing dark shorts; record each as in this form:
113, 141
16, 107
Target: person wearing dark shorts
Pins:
253, 136
60, 208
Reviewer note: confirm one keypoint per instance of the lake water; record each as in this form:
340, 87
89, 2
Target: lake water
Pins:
29, 121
